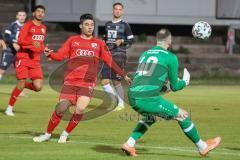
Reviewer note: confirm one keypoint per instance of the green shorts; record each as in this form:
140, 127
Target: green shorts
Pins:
157, 106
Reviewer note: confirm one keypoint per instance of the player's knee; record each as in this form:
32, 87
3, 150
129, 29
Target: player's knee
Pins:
37, 88
62, 107
82, 104
2, 70
80, 109
182, 115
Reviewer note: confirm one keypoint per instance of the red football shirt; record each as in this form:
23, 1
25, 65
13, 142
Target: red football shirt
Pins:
27, 35
83, 59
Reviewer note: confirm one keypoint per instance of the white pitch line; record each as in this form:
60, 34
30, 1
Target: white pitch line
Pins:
221, 151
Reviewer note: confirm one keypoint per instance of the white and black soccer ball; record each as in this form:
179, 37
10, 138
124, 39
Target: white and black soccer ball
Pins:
201, 30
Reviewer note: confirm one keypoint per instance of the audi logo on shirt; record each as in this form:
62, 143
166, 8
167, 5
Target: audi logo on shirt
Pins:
82, 52
38, 37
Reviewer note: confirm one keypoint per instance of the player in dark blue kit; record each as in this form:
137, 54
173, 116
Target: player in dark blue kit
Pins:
11, 37
118, 37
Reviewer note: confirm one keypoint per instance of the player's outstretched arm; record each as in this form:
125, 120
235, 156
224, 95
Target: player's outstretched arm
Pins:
56, 56
175, 83
128, 80
47, 52
61, 54
107, 58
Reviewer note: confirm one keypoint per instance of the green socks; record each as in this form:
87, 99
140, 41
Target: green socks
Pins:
189, 130
142, 127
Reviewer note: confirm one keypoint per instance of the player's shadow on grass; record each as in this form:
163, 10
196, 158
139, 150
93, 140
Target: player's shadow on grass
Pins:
112, 150
31, 133
106, 149
3, 111
140, 151
173, 155
233, 148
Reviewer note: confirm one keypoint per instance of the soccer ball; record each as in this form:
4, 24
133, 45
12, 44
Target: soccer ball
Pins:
201, 30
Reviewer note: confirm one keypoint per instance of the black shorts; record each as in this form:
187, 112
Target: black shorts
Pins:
108, 73
7, 59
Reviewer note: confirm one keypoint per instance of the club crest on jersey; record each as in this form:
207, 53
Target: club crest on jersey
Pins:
94, 45
117, 27
43, 30
76, 43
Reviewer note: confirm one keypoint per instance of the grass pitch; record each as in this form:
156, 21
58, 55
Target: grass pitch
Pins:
215, 111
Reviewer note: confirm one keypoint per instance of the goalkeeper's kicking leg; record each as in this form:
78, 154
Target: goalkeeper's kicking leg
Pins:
191, 132
167, 110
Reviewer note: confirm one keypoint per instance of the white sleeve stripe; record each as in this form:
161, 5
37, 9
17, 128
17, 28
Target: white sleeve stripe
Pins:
130, 37
145, 124
8, 32
17, 36
189, 128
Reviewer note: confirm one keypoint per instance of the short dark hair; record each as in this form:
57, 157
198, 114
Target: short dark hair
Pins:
39, 6
86, 17
20, 10
163, 34
118, 3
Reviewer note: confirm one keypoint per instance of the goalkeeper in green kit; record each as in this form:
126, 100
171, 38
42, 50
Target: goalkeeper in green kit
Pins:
156, 66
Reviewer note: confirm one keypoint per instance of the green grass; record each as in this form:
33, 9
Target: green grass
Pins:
215, 111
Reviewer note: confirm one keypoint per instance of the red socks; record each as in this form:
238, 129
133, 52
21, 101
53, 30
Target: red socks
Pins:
76, 118
55, 119
14, 95
53, 122
16, 91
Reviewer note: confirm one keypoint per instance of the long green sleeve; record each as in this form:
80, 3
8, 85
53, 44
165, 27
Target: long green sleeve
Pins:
173, 75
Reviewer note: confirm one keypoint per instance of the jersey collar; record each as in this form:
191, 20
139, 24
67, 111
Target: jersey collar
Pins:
18, 23
116, 21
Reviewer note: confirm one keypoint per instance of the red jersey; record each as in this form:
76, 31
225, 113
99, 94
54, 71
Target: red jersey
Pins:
27, 35
83, 59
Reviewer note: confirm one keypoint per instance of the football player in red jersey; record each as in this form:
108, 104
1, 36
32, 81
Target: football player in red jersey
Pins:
83, 53
31, 42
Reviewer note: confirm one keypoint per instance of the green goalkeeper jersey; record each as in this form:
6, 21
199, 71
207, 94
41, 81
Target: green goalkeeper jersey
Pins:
156, 65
